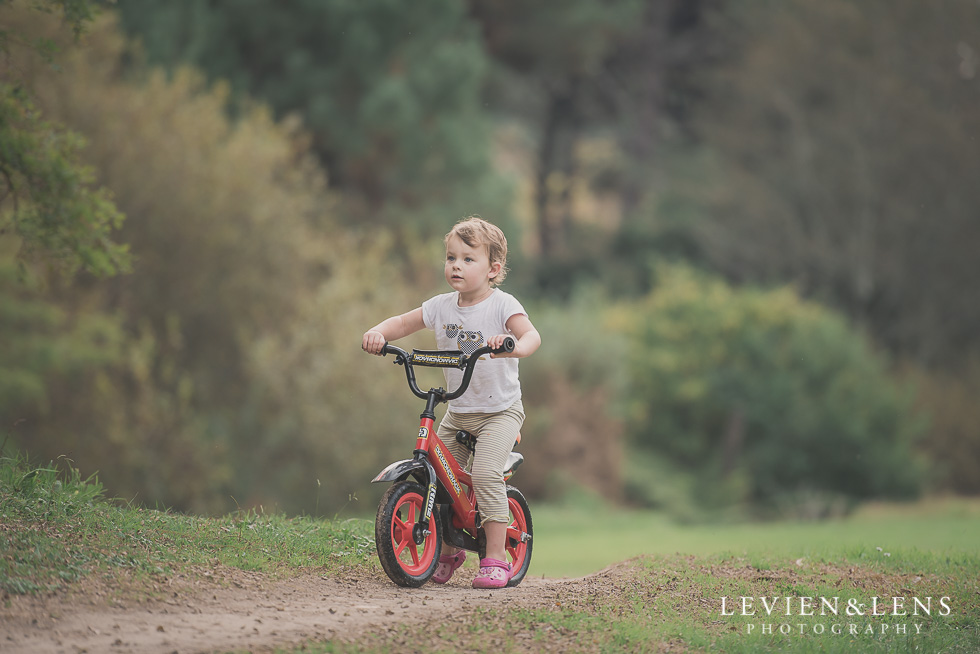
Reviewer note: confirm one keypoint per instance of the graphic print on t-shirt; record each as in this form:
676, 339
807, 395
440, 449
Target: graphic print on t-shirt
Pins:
468, 342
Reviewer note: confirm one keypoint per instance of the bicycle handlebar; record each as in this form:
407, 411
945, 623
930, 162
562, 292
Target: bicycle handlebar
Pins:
448, 359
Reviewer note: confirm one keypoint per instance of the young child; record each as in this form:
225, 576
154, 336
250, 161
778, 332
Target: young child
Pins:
475, 314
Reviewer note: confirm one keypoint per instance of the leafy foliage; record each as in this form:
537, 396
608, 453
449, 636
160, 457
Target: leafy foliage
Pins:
391, 92
55, 209
953, 441
226, 365
333, 416
840, 137
237, 257
51, 212
42, 342
770, 399
552, 72
573, 436
48, 198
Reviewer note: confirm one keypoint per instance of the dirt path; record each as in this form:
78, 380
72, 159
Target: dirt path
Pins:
226, 610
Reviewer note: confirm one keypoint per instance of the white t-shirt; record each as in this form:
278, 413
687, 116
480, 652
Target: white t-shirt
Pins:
495, 385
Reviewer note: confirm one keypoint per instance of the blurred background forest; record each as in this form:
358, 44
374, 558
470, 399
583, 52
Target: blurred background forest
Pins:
747, 231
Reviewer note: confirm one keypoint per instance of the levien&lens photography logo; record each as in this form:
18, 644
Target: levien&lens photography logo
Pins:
835, 615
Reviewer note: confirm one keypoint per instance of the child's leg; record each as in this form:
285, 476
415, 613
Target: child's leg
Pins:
493, 445
451, 423
496, 433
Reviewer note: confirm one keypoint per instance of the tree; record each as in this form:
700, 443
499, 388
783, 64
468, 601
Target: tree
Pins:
52, 212
837, 153
600, 87
42, 341
48, 198
237, 363
390, 91
220, 214
552, 57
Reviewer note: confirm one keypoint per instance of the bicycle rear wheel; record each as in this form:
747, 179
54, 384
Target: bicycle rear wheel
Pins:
406, 562
520, 533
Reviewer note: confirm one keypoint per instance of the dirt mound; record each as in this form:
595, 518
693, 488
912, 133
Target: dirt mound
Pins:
224, 609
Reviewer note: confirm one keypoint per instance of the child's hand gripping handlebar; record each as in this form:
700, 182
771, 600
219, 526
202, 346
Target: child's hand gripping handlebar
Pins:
443, 359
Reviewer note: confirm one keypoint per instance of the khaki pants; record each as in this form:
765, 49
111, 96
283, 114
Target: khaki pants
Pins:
495, 435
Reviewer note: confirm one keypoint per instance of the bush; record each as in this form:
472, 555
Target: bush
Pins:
572, 437
768, 399
953, 440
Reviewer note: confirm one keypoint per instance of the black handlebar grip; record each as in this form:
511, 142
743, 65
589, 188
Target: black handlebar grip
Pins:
508, 346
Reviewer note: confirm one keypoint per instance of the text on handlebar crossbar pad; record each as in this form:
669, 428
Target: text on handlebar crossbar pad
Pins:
437, 359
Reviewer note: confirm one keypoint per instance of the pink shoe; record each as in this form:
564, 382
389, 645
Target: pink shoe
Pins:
493, 574
447, 566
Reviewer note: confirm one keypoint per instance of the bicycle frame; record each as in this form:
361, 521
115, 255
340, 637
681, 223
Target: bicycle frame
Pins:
432, 464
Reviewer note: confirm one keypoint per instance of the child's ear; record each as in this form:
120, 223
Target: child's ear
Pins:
495, 269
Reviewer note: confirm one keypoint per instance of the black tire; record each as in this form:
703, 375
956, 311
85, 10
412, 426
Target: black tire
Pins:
405, 562
518, 551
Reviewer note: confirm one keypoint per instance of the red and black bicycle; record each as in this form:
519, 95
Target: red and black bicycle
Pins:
431, 500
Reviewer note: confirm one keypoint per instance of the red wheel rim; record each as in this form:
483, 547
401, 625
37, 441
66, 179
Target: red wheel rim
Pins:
406, 550
517, 526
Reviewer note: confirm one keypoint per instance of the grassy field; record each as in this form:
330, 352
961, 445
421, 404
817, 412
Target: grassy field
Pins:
574, 542
667, 596
56, 528
673, 603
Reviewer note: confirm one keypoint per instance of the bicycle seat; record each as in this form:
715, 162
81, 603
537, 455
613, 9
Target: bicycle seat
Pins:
469, 440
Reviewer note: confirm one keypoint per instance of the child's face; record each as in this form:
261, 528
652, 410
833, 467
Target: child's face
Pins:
468, 269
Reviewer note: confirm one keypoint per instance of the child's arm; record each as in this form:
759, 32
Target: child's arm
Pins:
528, 338
391, 330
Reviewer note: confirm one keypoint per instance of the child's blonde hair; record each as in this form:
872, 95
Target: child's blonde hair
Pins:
476, 232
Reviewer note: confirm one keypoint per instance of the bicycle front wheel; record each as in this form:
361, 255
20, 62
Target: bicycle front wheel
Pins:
405, 560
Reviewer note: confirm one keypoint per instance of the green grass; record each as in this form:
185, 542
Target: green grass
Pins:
56, 527
571, 542
676, 601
